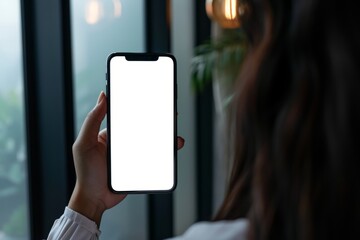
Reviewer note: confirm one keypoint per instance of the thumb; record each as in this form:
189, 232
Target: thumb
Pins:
90, 128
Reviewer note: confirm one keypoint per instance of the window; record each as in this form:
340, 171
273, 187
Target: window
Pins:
99, 28
13, 169
76, 74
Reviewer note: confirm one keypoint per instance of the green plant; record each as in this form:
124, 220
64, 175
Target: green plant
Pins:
12, 164
223, 54
16, 226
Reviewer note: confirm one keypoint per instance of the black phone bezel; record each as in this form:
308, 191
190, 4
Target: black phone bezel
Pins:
139, 57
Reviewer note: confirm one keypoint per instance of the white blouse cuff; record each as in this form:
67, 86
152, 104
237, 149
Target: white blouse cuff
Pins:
73, 226
82, 221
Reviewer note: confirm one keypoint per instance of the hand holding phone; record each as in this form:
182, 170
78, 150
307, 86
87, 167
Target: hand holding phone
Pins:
142, 136
91, 195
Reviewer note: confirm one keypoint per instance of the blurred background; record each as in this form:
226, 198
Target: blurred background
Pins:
52, 68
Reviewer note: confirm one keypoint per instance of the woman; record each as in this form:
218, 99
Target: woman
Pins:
295, 172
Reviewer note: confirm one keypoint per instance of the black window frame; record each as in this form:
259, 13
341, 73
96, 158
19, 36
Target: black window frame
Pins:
204, 110
49, 109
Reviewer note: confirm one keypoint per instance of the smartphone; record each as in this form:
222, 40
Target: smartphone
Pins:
141, 122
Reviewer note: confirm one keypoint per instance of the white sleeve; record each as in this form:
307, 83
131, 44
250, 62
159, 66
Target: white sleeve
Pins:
73, 226
224, 230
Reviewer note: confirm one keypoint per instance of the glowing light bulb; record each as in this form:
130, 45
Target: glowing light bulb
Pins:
230, 9
117, 8
209, 8
93, 11
226, 12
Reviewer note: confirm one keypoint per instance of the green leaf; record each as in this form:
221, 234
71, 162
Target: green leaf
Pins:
225, 54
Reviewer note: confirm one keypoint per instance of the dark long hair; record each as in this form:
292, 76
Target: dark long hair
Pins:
297, 135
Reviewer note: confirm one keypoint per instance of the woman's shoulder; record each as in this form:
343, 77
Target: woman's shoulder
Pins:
220, 230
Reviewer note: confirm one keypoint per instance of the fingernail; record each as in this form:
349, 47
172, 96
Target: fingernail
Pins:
100, 98
181, 143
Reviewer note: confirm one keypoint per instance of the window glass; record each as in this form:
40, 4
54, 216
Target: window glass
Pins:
182, 42
13, 169
100, 27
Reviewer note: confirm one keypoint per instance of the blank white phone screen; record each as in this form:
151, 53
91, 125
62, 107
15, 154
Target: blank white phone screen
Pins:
142, 124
